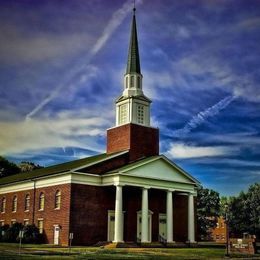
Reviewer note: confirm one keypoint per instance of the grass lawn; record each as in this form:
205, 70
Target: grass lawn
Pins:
10, 251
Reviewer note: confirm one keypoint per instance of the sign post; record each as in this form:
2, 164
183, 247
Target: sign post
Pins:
70, 241
21, 233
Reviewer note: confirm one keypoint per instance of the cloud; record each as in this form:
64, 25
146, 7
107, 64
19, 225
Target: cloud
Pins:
181, 151
71, 129
202, 116
17, 47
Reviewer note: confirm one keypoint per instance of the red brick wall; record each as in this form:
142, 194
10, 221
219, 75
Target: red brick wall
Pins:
49, 215
140, 140
180, 218
218, 233
89, 209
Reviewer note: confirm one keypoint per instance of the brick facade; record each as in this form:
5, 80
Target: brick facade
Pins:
84, 211
141, 141
49, 215
218, 233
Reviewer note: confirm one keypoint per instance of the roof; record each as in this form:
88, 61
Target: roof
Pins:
59, 168
133, 61
140, 97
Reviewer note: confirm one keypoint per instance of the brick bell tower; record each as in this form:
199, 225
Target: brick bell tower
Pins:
133, 131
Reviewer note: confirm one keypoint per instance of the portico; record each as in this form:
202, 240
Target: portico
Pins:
173, 182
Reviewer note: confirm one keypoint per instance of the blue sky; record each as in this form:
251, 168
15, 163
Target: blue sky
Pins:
62, 66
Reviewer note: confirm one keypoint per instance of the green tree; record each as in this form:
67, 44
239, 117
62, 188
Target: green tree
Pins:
207, 210
32, 234
7, 168
244, 212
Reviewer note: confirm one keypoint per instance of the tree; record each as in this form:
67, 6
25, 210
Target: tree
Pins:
28, 166
11, 233
207, 210
32, 234
244, 212
7, 168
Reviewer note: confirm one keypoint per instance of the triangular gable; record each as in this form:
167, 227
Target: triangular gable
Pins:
159, 167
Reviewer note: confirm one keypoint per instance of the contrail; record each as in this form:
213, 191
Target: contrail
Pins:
201, 117
77, 73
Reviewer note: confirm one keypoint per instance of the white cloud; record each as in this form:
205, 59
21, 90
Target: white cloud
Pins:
180, 150
36, 134
202, 116
38, 47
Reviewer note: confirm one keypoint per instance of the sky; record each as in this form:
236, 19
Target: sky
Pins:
62, 65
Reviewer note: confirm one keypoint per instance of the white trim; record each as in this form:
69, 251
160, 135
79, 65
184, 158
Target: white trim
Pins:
87, 179
100, 180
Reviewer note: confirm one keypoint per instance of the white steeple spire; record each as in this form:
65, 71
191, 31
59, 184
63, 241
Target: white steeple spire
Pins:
133, 106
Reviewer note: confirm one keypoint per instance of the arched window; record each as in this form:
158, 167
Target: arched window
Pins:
3, 205
57, 199
27, 202
41, 201
14, 205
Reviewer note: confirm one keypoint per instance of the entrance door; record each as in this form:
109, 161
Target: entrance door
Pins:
162, 226
111, 225
56, 235
139, 225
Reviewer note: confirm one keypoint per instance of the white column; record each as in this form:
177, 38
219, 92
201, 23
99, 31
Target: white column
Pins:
144, 234
169, 217
119, 215
191, 226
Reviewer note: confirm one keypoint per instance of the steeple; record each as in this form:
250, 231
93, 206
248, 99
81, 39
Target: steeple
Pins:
133, 106
133, 76
133, 61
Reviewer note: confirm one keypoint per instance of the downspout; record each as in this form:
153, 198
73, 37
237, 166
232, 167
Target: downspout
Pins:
34, 193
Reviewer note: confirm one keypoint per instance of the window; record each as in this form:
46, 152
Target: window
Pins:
27, 202
13, 221
14, 205
131, 81
138, 82
40, 225
140, 114
57, 199
41, 201
3, 205
26, 222
123, 114
2, 223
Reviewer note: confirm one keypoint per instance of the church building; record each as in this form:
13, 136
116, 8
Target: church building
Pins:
130, 193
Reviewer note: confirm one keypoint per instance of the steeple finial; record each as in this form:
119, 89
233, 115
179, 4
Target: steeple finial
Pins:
133, 61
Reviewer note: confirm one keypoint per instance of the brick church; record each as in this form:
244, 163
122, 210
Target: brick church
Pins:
130, 193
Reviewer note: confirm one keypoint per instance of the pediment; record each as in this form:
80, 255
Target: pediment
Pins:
160, 168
